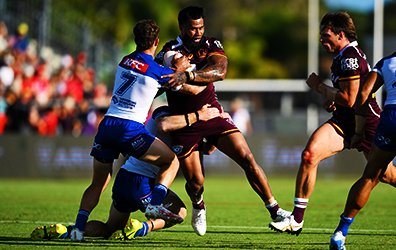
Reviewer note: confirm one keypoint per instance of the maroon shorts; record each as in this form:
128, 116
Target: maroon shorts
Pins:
187, 140
345, 126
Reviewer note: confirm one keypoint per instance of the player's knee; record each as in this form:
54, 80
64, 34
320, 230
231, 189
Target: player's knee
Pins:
309, 157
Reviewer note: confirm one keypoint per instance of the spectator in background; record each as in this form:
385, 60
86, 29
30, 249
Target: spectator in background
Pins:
240, 116
20, 40
3, 37
36, 98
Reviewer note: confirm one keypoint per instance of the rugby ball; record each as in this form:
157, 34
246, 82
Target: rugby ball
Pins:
168, 57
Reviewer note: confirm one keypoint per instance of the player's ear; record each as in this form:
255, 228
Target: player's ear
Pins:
341, 35
156, 41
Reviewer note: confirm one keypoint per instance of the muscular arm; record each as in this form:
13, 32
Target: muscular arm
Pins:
371, 85
174, 122
345, 96
215, 71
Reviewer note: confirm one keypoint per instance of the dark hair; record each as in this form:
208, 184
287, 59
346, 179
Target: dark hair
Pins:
145, 32
190, 13
340, 21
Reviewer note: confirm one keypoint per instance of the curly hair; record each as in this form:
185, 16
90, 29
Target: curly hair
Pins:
190, 13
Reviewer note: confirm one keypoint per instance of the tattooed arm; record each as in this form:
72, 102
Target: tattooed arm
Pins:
215, 71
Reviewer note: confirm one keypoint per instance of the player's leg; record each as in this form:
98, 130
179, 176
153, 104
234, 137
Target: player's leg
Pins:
235, 146
194, 174
161, 155
173, 202
360, 193
389, 176
323, 143
101, 177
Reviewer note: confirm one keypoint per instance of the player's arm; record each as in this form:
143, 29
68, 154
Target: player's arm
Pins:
345, 95
371, 85
215, 71
174, 122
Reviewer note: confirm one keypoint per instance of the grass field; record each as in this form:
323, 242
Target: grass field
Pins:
236, 217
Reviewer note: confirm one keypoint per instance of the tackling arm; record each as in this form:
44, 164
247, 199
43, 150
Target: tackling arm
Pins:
174, 122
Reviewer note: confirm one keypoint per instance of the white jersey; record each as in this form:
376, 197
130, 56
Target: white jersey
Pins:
140, 167
137, 81
386, 67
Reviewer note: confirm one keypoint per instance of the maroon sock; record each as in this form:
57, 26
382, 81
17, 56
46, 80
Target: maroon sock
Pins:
200, 205
298, 214
273, 210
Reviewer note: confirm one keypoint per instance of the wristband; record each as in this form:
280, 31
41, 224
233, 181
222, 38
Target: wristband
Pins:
187, 121
197, 115
190, 75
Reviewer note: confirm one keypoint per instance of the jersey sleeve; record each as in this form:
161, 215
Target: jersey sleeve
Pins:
165, 71
351, 65
161, 112
215, 47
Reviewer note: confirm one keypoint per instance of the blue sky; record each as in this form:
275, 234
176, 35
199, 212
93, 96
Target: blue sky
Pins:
358, 5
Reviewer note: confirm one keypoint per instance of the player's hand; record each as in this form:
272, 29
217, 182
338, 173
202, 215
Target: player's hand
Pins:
206, 113
181, 63
329, 106
313, 81
176, 79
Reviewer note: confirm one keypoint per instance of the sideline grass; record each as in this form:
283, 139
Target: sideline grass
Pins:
236, 216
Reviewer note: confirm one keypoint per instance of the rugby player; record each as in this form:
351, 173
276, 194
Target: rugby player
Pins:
210, 61
133, 186
383, 149
137, 81
348, 71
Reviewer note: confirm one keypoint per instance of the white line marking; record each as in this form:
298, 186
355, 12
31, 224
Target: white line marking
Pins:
214, 227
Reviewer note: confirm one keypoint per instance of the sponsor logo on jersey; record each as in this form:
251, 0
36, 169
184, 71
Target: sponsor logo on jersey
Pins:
349, 64
384, 140
218, 44
134, 64
138, 142
146, 200
177, 149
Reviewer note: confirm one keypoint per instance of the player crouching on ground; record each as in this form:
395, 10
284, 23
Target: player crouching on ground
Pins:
133, 187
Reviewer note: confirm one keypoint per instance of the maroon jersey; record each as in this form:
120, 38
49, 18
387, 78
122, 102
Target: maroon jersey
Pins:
351, 64
180, 103
187, 140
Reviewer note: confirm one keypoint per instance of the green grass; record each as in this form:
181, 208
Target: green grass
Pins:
236, 217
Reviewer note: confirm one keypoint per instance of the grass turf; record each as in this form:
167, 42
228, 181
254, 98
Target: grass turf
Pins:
236, 217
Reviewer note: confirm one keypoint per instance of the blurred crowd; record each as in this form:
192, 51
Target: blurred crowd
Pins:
46, 94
